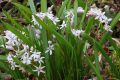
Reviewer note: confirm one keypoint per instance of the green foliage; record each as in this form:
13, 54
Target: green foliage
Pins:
69, 58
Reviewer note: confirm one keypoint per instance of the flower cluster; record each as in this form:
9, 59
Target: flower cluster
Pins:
30, 56
12, 40
77, 33
70, 14
49, 14
99, 15
27, 55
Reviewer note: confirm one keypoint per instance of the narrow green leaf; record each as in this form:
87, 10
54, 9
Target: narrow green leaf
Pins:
60, 12
3, 58
75, 12
32, 6
24, 8
83, 17
89, 25
14, 22
43, 5
81, 3
95, 70
115, 20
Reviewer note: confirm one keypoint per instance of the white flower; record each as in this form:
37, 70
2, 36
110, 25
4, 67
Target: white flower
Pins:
80, 10
9, 47
11, 40
105, 19
63, 25
49, 42
50, 48
94, 11
10, 58
25, 58
12, 63
52, 17
77, 33
37, 57
10, 36
25, 47
41, 15
34, 20
37, 33
50, 9
99, 15
55, 20
107, 28
70, 15
39, 69
48, 14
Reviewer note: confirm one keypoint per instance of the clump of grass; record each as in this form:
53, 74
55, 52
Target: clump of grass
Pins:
59, 46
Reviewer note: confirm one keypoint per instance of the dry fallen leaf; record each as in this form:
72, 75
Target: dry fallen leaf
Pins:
117, 41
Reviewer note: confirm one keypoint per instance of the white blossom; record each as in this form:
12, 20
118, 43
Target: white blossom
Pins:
41, 15
107, 28
36, 56
99, 15
26, 58
80, 10
48, 14
50, 48
11, 40
25, 47
39, 69
70, 15
63, 25
37, 33
77, 32
10, 58
12, 63
34, 20
50, 9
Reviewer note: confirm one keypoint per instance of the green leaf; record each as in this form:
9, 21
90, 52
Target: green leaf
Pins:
60, 12
95, 70
32, 6
3, 58
14, 22
75, 12
115, 20
81, 3
25, 12
83, 17
23, 8
89, 25
43, 5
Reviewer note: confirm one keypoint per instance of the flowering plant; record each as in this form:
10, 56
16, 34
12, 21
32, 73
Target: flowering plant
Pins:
58, 45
